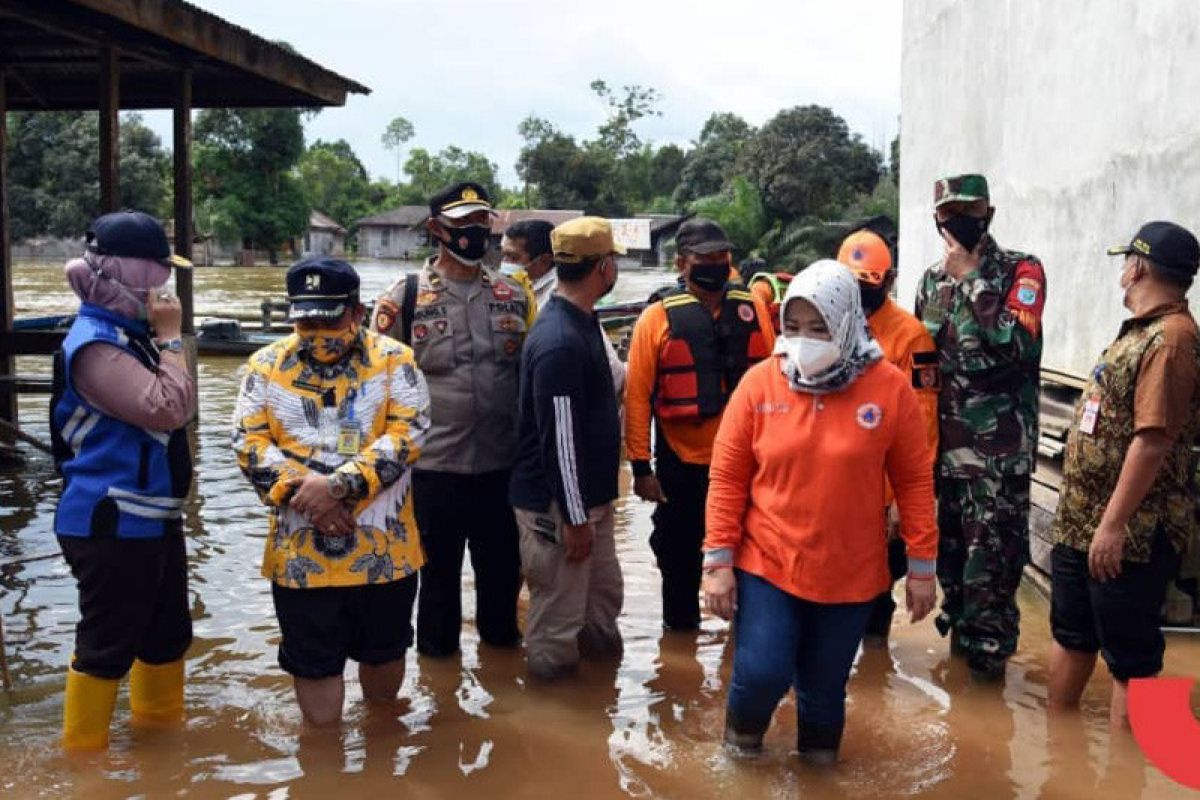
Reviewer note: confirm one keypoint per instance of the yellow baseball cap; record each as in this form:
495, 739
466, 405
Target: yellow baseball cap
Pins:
583, 238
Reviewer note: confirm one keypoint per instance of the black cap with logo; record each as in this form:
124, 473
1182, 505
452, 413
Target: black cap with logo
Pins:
132, 234
460, 199
321, 288
1168, 245
701, 235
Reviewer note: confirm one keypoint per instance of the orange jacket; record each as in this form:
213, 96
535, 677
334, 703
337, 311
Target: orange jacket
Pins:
691, 440
907, 344
790, 472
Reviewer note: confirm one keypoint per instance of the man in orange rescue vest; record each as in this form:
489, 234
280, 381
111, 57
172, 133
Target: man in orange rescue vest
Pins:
689, 350
870, 252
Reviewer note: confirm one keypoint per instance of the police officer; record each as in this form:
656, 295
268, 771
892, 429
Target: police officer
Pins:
983, 306
689, 350
1127, 510
869, 250
122, 398
466, 324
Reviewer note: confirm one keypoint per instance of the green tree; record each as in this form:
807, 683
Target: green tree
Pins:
335, 181
739, 210
805, 162
54, 171
245, 183
429, 172
711, 162
555, 169
616, 134
398, 131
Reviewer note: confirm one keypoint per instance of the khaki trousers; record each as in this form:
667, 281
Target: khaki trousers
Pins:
573, 607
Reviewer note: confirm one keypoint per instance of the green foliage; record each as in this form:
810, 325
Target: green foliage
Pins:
806, 163
54, 171
335, 182
429, 172
739, 210
245, 182
711, 162
610, 175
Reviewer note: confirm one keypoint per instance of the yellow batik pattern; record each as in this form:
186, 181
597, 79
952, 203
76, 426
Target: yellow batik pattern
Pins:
290, 413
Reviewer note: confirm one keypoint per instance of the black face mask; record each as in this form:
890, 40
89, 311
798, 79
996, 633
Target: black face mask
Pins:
710, 277
967, 231
872, 297
468, 243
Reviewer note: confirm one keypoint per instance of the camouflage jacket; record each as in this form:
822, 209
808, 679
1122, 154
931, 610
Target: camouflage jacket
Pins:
1093, 460
987, 328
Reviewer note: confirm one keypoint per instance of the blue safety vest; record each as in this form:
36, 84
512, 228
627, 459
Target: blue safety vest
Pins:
118, 480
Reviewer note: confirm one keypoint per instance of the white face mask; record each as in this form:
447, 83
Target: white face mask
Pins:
510, 268
809, 356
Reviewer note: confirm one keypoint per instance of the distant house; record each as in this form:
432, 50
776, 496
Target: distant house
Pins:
394, 234
508, 217
324, 237
662, 233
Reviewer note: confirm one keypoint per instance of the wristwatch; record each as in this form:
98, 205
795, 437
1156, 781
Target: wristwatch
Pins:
172, 345
339, 486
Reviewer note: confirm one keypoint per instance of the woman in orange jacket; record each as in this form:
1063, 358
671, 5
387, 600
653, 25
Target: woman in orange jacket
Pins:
795, 547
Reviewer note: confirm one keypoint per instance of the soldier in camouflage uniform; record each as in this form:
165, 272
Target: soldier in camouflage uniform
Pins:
1127, 510
982, 305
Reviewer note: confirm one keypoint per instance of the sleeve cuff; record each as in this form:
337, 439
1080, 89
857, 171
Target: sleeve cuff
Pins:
641, 468
921, 566
718, 557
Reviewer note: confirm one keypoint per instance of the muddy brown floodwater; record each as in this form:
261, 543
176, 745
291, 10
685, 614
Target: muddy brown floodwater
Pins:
473, 726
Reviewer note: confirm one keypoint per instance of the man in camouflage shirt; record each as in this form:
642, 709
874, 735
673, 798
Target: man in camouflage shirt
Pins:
982, 305
1127, 510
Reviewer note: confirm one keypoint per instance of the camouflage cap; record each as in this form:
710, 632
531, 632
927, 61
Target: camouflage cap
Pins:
960, 188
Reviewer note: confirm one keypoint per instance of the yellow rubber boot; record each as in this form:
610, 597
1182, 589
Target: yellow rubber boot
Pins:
156, 693
87, 711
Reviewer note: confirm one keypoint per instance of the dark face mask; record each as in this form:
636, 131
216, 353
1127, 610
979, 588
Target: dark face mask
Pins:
967, 231
711, 277
872, 297
468, 243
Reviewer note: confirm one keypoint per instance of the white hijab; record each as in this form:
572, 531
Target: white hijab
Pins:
833, 290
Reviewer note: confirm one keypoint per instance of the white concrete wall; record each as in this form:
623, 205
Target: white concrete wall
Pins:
1085, 117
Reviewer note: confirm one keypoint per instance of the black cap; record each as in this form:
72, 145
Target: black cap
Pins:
701, 235
460, 199
132, 234
1168, 245
321, 288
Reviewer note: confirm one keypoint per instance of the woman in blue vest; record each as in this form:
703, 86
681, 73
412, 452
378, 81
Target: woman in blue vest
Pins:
122, 398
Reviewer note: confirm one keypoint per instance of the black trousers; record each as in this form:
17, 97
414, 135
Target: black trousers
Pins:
678, 536
454, 511
133, 602
884, 606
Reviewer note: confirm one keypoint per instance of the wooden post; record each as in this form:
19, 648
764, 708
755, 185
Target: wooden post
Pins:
8, 399
183, 195
110, 133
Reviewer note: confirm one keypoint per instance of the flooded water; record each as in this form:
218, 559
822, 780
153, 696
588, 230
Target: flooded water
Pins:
648, 727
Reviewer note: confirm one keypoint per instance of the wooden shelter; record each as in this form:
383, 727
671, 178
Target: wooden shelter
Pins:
107, 55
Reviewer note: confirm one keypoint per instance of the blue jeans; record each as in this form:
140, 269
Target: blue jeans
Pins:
780, 641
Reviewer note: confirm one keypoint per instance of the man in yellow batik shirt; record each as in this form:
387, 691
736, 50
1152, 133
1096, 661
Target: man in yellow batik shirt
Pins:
328, 423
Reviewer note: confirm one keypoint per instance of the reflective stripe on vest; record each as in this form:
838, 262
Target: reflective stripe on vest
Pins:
118, 480
778, 281
703, 359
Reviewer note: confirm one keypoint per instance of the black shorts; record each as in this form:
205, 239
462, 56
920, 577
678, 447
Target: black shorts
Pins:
371, 624
1120, 618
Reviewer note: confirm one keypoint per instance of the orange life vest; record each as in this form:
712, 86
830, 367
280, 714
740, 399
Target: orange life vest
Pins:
778, 281
704, 358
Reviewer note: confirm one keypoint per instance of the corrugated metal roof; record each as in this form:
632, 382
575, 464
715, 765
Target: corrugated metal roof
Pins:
509, 217
404, 217
321, 222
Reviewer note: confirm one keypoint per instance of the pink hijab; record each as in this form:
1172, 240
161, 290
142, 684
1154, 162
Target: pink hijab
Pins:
137, 275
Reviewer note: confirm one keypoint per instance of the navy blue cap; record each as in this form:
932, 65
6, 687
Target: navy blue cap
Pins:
1171, 246
133, 234
321, 288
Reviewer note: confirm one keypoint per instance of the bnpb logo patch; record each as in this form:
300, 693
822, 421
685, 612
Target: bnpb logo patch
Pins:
868, 416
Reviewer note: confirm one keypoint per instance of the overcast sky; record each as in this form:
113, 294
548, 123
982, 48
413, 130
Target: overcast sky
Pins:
468, 72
